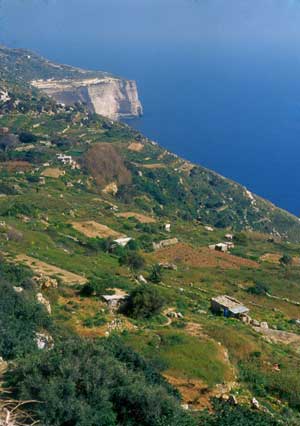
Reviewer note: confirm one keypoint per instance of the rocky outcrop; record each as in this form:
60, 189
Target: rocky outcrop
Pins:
111, 97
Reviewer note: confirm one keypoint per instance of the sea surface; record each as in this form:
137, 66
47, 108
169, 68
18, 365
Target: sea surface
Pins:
231, 104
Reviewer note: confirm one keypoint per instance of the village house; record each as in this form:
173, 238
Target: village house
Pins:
228, 307
223, 247
123, 241
114, 300
219, 247
165, 243
168, 227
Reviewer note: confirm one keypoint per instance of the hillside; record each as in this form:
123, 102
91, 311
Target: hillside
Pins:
102, 93
108, 268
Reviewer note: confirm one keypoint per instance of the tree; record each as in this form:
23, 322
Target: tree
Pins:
258, 289
143, 302
286, 260
106, 165
156, 274
27, 137
133, 260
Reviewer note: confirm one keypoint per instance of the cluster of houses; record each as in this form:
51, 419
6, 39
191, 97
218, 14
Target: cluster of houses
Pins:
67, 160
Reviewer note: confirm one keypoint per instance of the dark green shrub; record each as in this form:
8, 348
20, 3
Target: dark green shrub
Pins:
84, 383
143, 302
20, 318
27, 137
133, 260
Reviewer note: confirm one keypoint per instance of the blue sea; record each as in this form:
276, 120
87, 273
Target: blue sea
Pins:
229, 101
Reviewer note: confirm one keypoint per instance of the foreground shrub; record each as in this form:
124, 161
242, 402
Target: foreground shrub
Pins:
82, 383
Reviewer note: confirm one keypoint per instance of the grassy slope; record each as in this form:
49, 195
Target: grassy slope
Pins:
41, 214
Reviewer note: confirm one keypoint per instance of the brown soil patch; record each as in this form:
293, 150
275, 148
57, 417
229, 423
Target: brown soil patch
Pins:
93, 230
53, 172
12, 166
49, 270
136, 146
140, 217
202, 257
194, 392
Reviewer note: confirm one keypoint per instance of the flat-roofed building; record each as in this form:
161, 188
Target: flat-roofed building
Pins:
228, 306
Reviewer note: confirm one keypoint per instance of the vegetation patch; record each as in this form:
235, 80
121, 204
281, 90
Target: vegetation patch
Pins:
105, 164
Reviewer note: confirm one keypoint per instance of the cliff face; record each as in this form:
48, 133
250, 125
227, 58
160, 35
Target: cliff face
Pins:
111, 97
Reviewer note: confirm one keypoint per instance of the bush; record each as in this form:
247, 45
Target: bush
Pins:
132, 259
95, 287
240, 238
156, 274
286, 260
227, 415
20, 318
143, 302
27, 137
84, 383
259, 289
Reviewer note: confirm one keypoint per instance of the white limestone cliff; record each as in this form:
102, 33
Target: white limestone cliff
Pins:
111, 97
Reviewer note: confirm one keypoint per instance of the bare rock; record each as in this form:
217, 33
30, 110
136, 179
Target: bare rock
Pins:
44, 341
264, 325
255, 404
43, 301
45, 282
